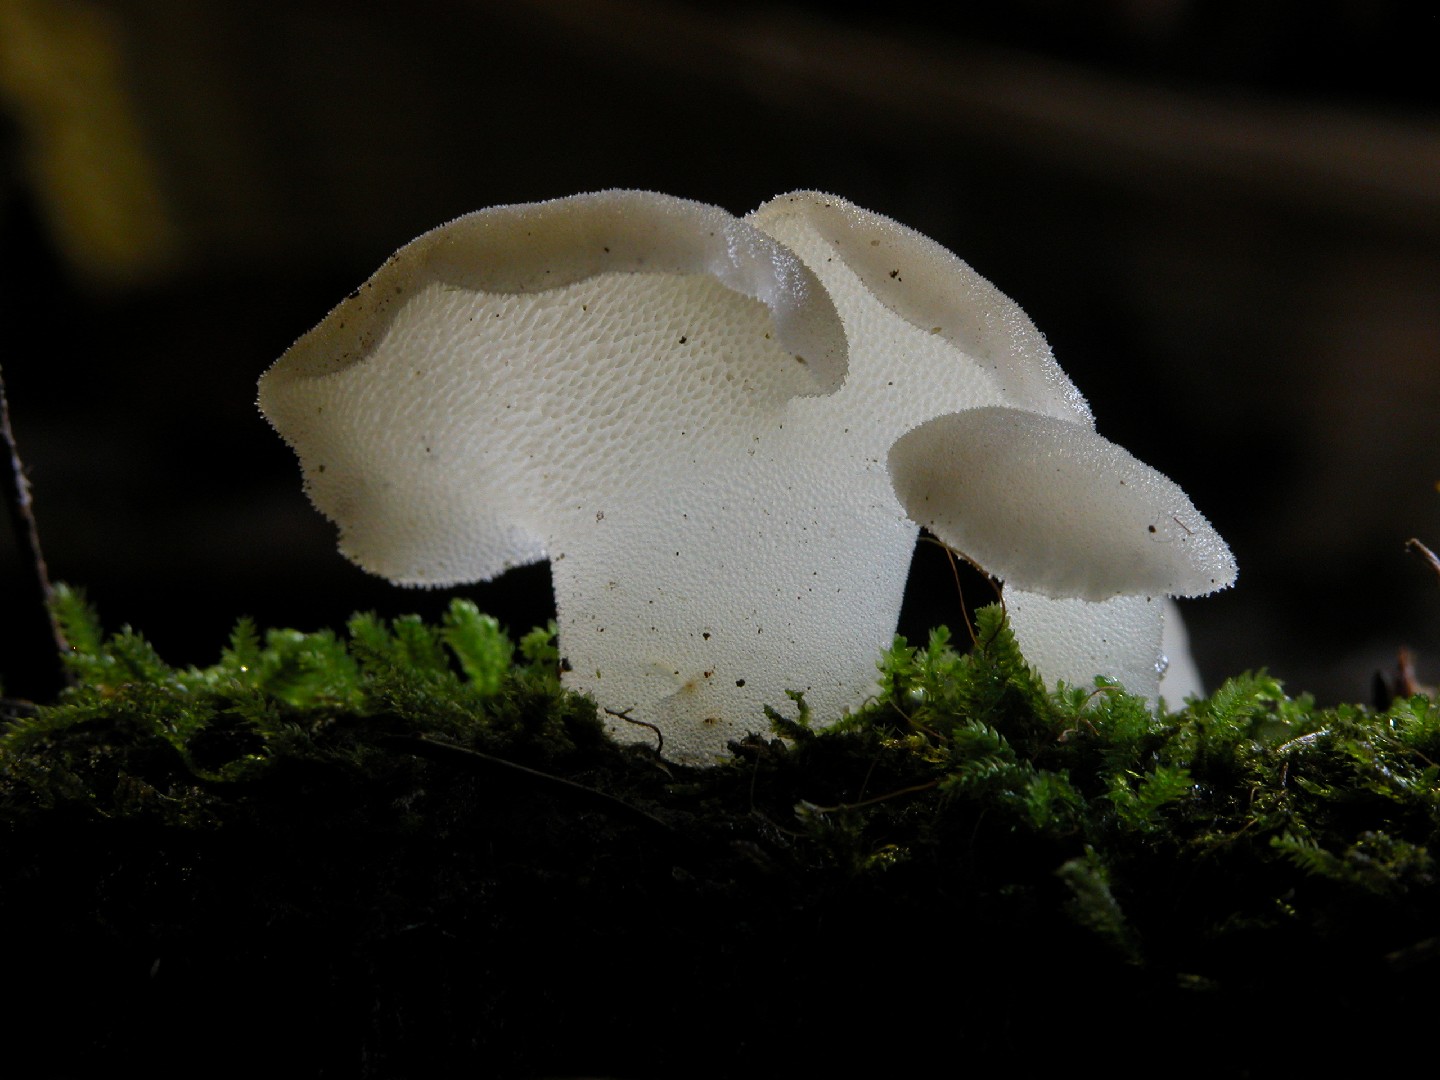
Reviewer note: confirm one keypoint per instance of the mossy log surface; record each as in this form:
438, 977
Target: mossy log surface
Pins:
405, 852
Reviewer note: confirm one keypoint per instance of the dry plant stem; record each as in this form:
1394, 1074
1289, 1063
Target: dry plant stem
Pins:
1425, 553
594, 795
22, 515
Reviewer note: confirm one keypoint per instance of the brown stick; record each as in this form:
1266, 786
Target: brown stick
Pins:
22, 516
1428, 555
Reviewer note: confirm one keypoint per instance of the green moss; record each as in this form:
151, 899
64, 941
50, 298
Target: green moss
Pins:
422, 813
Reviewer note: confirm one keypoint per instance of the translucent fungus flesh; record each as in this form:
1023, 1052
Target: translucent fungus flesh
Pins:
692, 416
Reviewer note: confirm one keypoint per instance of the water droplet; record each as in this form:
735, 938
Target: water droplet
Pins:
1162, 664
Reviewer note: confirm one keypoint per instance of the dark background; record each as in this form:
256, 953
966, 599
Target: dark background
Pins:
1224, 216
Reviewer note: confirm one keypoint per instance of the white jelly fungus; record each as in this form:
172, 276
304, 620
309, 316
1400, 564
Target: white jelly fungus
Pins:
695, 418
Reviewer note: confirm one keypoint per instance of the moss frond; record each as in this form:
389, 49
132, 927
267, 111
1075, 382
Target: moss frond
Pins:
482, 648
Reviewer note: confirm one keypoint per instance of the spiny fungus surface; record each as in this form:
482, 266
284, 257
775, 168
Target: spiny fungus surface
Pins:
695, 418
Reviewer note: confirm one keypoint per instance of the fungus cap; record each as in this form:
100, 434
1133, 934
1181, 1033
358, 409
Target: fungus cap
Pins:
501, 367
1052, 507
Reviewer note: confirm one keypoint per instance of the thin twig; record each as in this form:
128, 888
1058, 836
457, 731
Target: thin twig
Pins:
624, 714
954, 556
960, 592
1428, 555
594, 795
913, 789
22, 515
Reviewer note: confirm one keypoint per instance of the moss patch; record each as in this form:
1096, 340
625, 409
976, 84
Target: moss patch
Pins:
405, 851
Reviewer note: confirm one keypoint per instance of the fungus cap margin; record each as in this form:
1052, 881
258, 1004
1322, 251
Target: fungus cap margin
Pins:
923, 283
